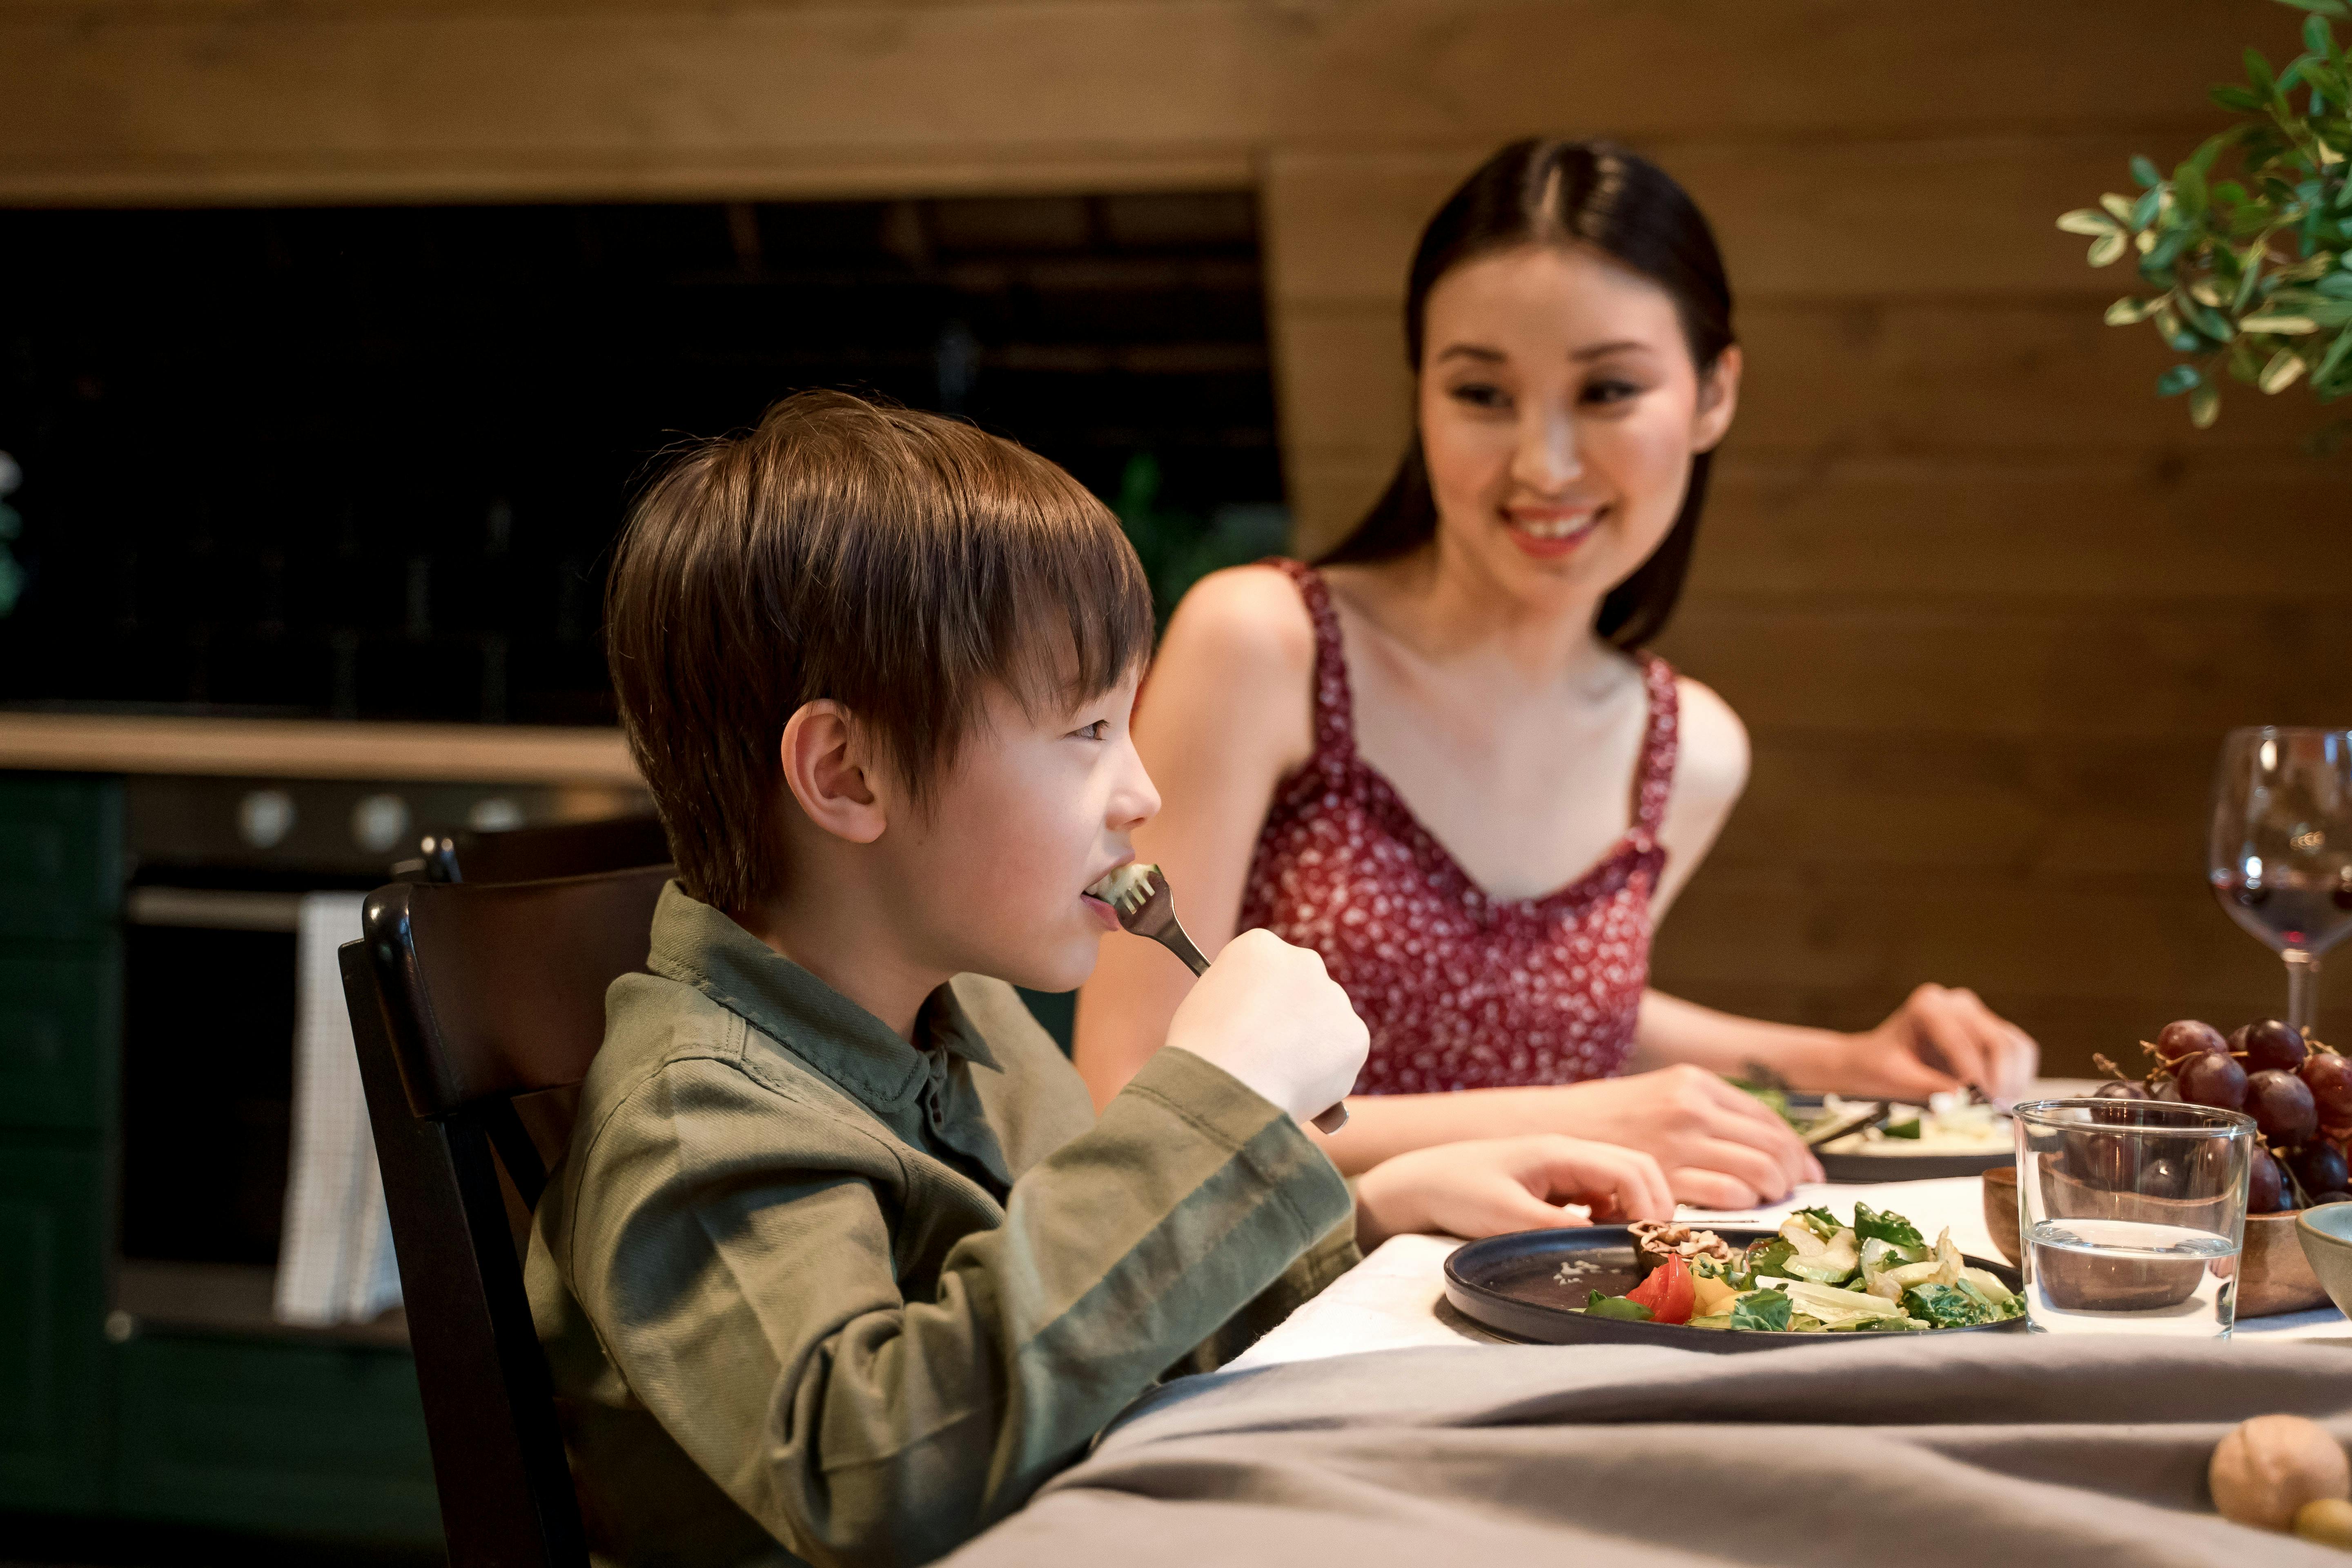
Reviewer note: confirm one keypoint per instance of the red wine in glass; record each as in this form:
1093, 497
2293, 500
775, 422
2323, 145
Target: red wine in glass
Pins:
2281, 851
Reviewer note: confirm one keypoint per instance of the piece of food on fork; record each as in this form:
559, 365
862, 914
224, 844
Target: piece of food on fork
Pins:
1139, 893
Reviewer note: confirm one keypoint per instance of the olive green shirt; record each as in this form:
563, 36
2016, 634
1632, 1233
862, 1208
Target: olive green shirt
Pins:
809, 1292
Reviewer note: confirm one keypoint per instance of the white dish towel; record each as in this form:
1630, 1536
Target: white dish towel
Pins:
335, 1263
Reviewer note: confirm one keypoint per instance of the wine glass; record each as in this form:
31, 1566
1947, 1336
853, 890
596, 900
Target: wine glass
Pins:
2281, 861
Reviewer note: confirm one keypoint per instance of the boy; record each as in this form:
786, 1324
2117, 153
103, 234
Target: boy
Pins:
841, 1265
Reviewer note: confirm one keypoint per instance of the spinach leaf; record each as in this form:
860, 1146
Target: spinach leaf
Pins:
1771, 1258
1765, 1309
1947, 1306
1901, 1129
1617, 1307
1998, 1311
1821, 1222
1872, 1224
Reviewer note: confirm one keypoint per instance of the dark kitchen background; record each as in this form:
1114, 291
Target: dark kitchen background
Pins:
368, 462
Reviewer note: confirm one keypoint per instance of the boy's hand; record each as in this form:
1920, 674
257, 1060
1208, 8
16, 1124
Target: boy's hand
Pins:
1266, 1012
1494, 1185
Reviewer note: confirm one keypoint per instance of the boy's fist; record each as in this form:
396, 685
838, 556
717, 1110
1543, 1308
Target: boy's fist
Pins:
1266, 1012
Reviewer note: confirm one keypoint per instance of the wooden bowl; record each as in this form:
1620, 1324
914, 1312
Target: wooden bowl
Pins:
2273, 1277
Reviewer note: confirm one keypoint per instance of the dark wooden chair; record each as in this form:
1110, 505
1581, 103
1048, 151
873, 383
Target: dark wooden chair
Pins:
467, 1001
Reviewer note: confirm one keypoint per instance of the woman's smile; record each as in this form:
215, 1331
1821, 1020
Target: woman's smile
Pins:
1550, 533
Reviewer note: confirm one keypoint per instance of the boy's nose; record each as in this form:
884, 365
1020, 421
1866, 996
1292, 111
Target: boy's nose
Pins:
1136, 799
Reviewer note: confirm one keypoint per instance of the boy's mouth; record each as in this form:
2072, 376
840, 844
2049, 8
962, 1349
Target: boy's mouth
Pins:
1126, 886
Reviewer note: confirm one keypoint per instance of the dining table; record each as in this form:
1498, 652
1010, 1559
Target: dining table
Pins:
1396, 1299
1379, 1428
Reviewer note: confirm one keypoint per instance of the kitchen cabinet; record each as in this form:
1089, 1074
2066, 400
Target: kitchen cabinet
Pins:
257, 1430
53, 1352
261, 1434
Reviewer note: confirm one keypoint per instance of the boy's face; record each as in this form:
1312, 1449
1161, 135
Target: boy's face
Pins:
1034, 808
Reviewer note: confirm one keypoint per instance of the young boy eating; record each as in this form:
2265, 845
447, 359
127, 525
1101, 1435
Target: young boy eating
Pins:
841, 1264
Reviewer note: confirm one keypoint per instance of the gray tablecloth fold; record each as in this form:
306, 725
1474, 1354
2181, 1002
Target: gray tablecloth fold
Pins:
1975, 1452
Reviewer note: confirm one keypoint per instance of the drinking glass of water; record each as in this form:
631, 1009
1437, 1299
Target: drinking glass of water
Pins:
2132, 1214
2281, 859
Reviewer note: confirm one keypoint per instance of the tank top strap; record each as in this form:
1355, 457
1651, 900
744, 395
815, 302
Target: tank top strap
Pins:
1653, 780
1334, 709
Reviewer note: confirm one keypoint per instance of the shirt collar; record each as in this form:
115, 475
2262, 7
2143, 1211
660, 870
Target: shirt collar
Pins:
697, 945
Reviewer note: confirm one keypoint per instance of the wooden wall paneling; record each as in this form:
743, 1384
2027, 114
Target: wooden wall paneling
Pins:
2049, 810
1975, 376
1998, 668
2085, 969
2027, 530
224, 98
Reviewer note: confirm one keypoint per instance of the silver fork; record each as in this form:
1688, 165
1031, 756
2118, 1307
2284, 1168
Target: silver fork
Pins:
1146, 907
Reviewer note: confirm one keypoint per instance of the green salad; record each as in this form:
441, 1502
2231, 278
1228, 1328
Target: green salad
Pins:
1818, 1275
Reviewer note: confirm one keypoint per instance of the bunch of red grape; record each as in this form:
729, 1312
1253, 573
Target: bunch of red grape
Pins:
2298, 1091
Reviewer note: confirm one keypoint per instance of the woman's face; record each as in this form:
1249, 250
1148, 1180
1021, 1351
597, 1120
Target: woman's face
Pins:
1560, 411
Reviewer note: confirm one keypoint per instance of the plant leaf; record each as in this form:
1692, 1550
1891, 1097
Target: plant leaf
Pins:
2189, 190
2210, 323
2317, 36
2334, 358
2086, 220
2211, 148
2178, 380
2323, 7
2204, 408
2127, 310
2281, 372
2289, 325
2145, 171
2258, 73
2107, 246
2120, 207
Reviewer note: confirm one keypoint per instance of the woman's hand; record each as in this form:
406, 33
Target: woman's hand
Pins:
1492, 1185
1941, 1039
1719, 1147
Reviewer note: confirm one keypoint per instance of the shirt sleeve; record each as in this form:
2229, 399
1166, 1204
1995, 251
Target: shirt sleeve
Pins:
741, 1269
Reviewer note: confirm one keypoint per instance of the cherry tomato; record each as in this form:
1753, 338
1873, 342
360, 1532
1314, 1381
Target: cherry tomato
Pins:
1667, 1293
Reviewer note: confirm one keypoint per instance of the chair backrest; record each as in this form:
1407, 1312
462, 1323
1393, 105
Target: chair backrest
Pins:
464, 997
534, 854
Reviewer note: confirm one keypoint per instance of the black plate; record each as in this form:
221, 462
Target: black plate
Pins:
1851, 1167
1511, 1283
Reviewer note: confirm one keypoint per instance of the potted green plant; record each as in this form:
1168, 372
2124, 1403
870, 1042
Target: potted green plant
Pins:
2246, 268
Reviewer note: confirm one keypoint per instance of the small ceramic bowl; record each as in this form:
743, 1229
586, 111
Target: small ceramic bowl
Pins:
2275, 1276
2326, 1233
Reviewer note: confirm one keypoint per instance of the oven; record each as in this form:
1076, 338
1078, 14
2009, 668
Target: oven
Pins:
217, 871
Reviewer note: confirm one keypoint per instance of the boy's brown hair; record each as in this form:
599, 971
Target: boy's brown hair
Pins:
891, 561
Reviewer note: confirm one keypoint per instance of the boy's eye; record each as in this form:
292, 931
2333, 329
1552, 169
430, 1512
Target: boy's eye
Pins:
1098, 731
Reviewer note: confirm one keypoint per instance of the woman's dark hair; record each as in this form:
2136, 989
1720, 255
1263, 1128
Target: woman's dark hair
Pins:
1568, 192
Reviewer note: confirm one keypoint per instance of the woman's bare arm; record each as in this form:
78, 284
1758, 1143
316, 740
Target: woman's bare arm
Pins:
1228, 711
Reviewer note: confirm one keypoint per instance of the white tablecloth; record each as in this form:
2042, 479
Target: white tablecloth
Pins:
1396, 1297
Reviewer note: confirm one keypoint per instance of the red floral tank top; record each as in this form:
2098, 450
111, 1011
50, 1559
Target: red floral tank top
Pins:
1459, 990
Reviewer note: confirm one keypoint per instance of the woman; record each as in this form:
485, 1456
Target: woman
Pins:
1443, 759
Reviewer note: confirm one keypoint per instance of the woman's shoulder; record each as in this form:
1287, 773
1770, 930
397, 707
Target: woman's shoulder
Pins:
1712, 753
1249, 621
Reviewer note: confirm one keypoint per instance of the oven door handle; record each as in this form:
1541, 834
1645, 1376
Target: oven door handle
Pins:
212, 909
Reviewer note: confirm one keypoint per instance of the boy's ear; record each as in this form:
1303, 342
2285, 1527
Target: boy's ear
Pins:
832, 773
